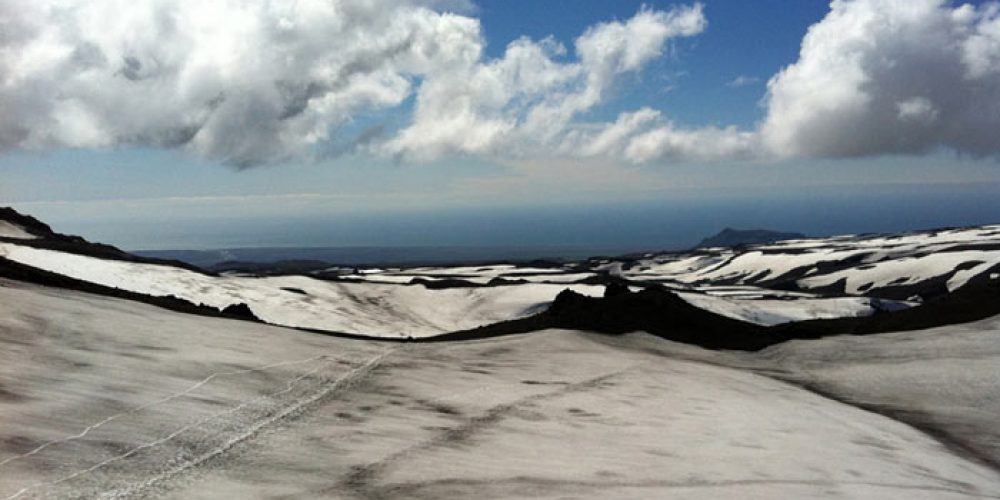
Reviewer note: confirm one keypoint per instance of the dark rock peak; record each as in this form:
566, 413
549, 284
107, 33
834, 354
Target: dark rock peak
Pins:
29, 223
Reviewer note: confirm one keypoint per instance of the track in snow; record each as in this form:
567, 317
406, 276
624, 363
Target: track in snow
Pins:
296, 406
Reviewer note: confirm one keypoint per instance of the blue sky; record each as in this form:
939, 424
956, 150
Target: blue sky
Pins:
751, 39
717, 147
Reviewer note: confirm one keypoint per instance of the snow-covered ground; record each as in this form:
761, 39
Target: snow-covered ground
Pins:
910, 270
871, 262
109, 398
371, 309
11, 230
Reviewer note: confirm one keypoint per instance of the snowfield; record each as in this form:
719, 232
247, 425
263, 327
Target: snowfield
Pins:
370, 309
864, 262
106, 398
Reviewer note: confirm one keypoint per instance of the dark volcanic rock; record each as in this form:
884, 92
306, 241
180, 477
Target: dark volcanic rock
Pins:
441, 284
239, 311
616, 289
29, 223
656, 311
653, 310
730, 237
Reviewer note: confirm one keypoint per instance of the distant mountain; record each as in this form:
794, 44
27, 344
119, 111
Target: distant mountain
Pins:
730, 237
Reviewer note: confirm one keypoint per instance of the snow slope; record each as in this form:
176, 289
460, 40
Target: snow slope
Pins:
776, 311
944, 378
105, 398
941, 379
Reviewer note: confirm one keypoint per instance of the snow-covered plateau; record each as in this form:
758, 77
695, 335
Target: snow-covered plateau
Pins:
127, 377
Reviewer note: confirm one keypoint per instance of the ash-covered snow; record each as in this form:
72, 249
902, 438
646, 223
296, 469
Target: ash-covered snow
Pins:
943, 380
108, 398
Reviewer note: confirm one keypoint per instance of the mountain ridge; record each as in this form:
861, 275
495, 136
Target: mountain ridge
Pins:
730, 237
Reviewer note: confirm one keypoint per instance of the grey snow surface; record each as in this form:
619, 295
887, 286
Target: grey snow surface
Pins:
106, 398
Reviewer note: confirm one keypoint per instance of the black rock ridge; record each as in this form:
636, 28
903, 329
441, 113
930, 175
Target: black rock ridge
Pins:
730, 237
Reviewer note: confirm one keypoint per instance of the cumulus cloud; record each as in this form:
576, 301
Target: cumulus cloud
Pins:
528, 98
669, 142
241, 82
251, 82
645, 136
613, 138
890, 77
873, 77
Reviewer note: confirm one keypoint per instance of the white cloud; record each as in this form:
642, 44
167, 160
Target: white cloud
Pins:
251, 82
742, 81
527, 99
890, 77
916, 109
645, 136
241, 82
612, 139
874, 77
669, 142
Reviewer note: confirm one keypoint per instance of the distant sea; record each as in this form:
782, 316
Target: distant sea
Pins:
391, 256
539, 232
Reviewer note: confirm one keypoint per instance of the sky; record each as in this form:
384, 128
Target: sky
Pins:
190, 124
